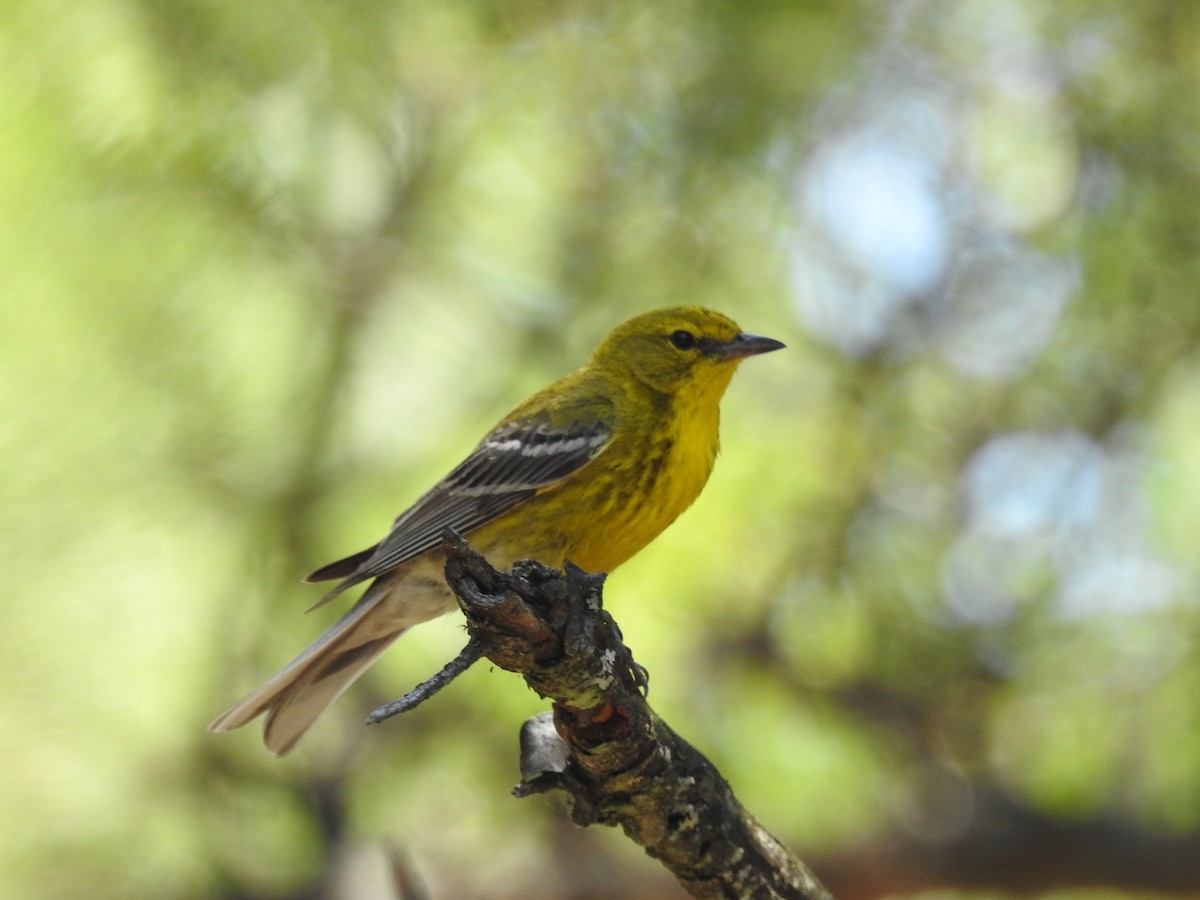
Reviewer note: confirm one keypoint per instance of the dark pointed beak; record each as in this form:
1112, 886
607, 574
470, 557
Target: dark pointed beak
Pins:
746, 345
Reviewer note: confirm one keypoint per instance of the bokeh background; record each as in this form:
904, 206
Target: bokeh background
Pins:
270, 269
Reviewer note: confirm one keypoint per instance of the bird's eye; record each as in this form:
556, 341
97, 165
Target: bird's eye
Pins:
682, 340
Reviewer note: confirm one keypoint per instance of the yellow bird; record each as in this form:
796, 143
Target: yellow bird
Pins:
588, 470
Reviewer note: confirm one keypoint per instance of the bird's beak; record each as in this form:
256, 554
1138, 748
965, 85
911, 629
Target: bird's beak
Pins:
746, 345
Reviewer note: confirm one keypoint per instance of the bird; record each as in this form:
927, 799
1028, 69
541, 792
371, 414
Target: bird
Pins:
588, 470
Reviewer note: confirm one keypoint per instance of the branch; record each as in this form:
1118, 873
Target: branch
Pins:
467, 657
617, 761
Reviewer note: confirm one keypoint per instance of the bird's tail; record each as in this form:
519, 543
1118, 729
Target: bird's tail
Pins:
306, 686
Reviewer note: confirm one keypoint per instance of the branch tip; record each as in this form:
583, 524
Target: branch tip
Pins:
468, 656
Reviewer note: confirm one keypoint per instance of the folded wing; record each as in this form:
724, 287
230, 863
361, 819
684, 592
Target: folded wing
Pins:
510, 466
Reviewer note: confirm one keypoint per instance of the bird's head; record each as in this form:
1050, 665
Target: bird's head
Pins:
679, 349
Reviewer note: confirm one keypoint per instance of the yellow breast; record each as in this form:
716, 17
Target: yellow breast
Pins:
621, 501
636, 492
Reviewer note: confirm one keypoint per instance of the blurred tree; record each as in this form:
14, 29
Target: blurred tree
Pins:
270, 269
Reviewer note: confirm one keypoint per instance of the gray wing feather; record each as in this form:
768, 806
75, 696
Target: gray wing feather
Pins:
508, 468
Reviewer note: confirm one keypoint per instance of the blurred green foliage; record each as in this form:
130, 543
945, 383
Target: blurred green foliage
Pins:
271, 269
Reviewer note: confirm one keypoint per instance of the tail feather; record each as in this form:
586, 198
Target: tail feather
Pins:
297, 708
295, 697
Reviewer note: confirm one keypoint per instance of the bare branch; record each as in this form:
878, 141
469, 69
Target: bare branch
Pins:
467, 657
602, 744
